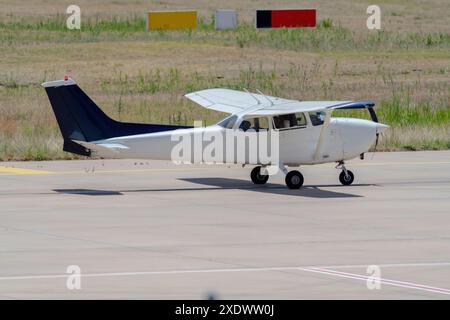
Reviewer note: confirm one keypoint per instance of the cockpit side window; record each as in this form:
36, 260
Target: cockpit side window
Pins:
257, 124
317, 118
288, 121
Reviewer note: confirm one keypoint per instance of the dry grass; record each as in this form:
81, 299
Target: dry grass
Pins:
135, 76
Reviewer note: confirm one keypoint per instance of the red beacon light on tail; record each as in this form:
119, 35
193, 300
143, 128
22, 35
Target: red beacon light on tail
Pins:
66, 77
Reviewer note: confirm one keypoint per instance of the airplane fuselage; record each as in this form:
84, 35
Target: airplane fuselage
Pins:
343, 139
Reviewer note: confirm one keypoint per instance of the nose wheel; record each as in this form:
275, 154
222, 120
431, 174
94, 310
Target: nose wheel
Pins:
346, 177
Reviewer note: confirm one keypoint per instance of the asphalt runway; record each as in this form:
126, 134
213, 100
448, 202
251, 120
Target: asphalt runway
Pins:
152, 229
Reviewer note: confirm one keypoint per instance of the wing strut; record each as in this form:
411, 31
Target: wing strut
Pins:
320, 143
253, 96
265, 97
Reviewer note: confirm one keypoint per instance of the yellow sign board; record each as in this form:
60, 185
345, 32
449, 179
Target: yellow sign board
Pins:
163, 20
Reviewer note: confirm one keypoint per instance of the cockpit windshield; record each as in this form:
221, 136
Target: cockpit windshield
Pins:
317, 118
228, 122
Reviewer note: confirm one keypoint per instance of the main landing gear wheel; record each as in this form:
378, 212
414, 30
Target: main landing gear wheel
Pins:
257, 177
346, 178
294, 179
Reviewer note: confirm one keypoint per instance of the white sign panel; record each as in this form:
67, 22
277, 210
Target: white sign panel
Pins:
226, 19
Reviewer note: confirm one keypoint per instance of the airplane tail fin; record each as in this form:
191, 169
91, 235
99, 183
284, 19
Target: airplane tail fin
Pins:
80, 119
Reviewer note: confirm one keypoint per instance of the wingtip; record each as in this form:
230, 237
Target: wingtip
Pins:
367, 103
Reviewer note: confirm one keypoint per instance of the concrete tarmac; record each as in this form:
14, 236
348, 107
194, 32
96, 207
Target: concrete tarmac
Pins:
151, 229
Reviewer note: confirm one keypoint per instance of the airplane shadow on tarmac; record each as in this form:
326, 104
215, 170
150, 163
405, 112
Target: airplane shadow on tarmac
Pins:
272, 188
308, 191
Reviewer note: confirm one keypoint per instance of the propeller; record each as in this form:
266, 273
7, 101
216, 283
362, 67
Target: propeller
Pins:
380, 128
376, 144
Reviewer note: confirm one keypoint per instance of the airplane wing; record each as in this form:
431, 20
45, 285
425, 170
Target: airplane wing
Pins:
233, 101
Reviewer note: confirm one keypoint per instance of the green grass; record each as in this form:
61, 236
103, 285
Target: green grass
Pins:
175, 81
401, 112
326, 37
89, 24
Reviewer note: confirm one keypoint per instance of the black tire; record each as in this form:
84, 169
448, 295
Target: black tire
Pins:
257, 177
346, 180
294, 179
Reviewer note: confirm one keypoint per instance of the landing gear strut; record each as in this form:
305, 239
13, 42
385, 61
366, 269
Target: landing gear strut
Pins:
346, 177
257, 177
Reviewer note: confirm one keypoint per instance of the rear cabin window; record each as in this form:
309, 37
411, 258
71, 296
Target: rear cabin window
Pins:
288, 121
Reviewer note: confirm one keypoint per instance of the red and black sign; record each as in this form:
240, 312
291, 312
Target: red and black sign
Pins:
291, 18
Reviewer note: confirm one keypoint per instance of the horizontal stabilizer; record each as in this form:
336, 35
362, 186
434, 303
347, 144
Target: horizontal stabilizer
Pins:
110, 150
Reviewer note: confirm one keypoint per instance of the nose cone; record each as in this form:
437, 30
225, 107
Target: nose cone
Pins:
358, 135
381, 127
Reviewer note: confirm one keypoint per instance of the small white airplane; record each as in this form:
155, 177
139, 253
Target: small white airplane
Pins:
307, 133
